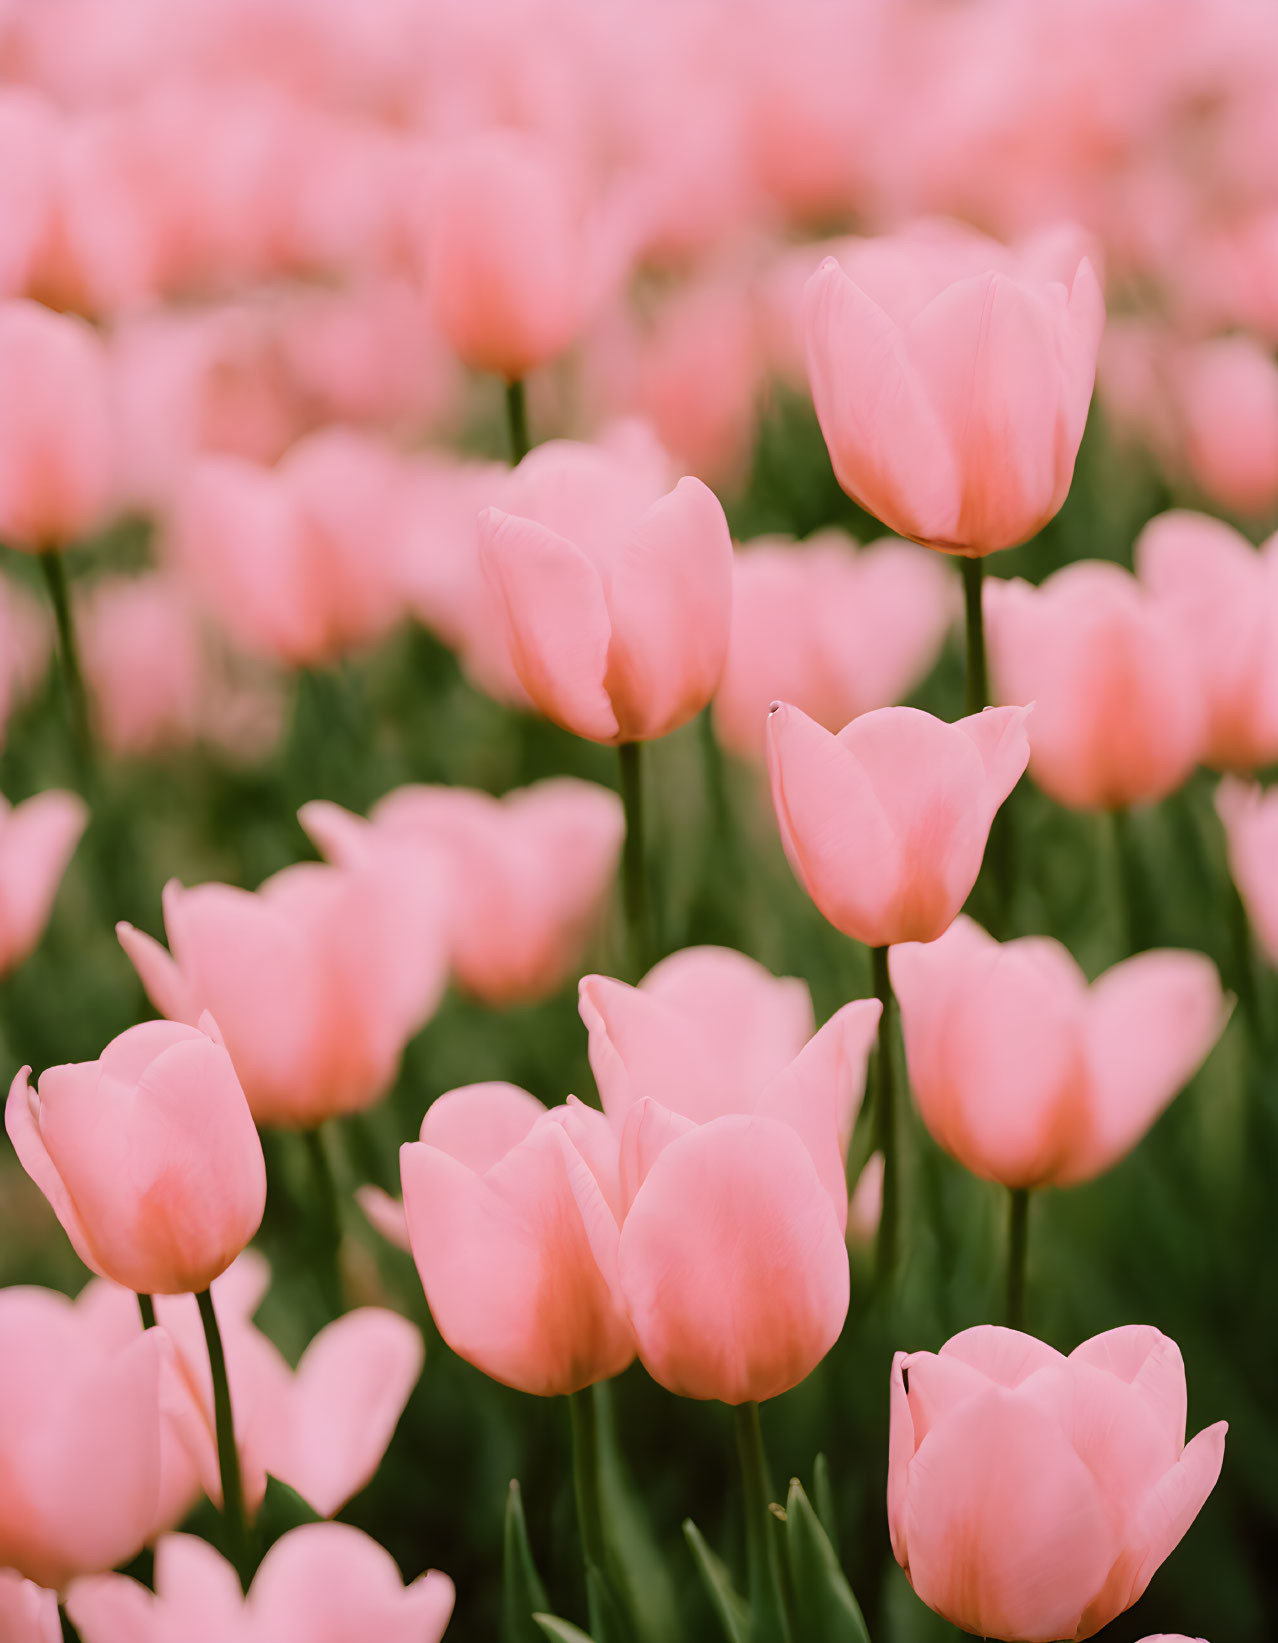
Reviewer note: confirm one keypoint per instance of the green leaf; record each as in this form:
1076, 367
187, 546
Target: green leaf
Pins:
282, 1509
640, 1579
607, 1622
522, 1594
561, 1631
825, 1610
729, 1605
823, 1499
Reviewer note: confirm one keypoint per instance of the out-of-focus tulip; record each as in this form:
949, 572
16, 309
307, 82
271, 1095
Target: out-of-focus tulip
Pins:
324, 1580
29, 144
834, 629
512, 1217
952, 377
24, 649
56, 464
79, 1440
1224, 598
528, 874
616, 592
316, 981
1032, 1496
1228, 404
885, 824
37, 839
1250, 819
865, 1207
1026, 1074
1118, 715
148, 1155
28, 1613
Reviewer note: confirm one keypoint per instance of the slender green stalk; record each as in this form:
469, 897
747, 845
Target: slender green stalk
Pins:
55, 580
228, 1456
585, 1476
146, 1306
69, 1633
761, 1566
1132, 897
634, 873
978, 690
885, 1120
721, 864
326, 1205
1018, 1200
517, 420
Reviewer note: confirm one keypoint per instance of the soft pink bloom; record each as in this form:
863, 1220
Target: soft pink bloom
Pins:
865, 1207
1032, 1496
528, 874
616, 592
316, 981
885, 824
28, 1613
1250, 819
37, 839
834, 629
1228, 403
29, 145
324, 1580
148, 1155
79, 1440
512, 1216
952, 377
1223, 595
56, 467
1026, 1074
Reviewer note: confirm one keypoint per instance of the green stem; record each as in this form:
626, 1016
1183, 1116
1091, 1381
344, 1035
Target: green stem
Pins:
885, 1119
327, 1207
634, 876
762, 1572
585, 1476
1017, 1254
55, 580
228, 1456
517, 420
978, 690
721, 862
146, 1306
1131, 900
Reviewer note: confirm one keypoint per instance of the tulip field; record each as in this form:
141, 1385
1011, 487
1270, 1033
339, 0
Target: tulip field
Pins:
638, 821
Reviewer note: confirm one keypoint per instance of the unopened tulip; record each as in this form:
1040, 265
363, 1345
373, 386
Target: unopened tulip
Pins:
616, 592
323, 1580
528, 874
37, 839
1250, 819
148, 1155
1228, 403
1118, 708
1026, 1074
512, 1217
56, 462
28, 1613
834, 629
885, 824
79, 1440
316, 981
951, 378
1223, 596
1032, 1496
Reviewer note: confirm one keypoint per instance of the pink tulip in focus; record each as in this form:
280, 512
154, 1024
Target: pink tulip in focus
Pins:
616, 592
28, 1613
149, 1157
885, 824
1228, 402
529, 874
1026, 1074
834, 629
79, 1440
512, 1216
323, 1580
37, 838
952, 377
1250, 819
316, 981
56, 459
1118, 708
1032, 1496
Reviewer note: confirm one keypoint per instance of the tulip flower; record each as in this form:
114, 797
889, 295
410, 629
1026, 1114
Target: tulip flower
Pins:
1249, 816
1032, 1496
24, 649
37, 838
834, 629
79, 1440
529, 874
1118, 713
951, 379
885, 824
513, 1224
28, 1613
1026, 1074
316, 981
322, 1580
616, 592
1228, 401
1223, 597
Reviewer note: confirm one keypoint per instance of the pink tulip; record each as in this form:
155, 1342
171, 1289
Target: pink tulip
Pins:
1228, 401
56, 464
316, 981
324, 1580
30, 132
512, 1216
1223, 596
1118, 713
1026, 1074
1032, 1496
885, 824
529, 874
834, 629
149, 1157
24, 649
617, 593
37, 839
28, 1613
1250, 819
79, 1440
951, 379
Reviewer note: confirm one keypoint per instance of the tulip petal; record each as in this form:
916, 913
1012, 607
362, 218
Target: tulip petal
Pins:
1148, 1360
478, 1124
33, 1155
384, 1214
159, 975
329, 1579
1005, 1356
